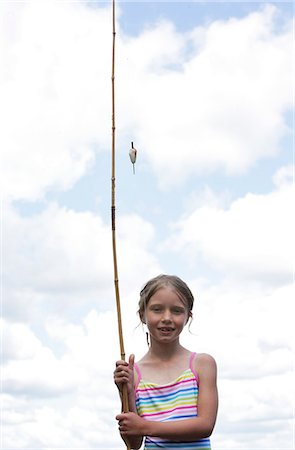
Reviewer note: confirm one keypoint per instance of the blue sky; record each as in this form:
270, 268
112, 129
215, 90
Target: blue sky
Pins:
205, 91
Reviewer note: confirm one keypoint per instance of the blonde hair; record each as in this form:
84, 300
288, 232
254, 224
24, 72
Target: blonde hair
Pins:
172, 281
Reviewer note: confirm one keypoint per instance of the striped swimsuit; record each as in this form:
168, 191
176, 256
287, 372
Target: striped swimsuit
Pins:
173, 401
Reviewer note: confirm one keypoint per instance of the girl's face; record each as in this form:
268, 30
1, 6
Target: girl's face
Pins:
165, 315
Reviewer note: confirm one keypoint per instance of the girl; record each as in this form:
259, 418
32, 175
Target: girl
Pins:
172, 392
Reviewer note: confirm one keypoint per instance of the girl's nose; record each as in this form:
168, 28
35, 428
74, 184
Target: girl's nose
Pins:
166, 316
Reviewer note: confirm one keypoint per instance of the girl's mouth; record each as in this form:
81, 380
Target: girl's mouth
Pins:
166, 329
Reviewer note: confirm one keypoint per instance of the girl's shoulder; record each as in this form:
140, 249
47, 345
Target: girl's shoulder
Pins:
204, 363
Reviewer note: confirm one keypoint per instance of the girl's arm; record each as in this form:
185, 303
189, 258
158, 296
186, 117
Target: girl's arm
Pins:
188, 429
124, 374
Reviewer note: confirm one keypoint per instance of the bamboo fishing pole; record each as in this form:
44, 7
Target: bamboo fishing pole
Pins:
125, 405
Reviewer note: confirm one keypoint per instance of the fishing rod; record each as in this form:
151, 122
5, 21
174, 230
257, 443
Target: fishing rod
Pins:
125, 404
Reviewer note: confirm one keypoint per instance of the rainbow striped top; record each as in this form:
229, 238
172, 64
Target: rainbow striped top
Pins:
177, 400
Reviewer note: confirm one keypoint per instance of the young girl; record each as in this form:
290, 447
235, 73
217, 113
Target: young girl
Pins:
172, 392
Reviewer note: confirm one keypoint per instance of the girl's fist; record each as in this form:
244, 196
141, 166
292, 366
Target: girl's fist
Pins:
123, 374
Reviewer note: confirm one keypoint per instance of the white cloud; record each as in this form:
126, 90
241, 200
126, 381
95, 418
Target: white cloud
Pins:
207, 196
247, 327
249, 330
284, 176
254, 407
77, 386
252, 239
211, 98
44, 253
222, 107
208, 99
32, 368
19, 341
82, 357
54, 94
62, 260
50, 427
254, 354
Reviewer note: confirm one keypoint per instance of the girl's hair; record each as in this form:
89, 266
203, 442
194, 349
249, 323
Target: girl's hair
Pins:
172, 281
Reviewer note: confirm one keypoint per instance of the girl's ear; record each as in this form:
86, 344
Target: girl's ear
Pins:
190, 316
142, 317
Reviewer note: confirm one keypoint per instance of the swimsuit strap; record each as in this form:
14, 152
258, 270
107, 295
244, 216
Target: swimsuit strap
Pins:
192, 357
136, 367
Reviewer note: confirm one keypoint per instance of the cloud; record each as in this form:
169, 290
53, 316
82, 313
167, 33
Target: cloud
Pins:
252, 238
213, 98
67, 397
34, 369
255, 404
217, 102
20, 342
284, 176
62, 260
54, 95
249, 330
253, 352
47, 426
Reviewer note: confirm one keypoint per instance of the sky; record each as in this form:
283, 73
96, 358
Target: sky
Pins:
205, 91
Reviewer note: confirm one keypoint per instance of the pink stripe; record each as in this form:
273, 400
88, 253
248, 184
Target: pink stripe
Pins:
167, 394
169, 386
169, 411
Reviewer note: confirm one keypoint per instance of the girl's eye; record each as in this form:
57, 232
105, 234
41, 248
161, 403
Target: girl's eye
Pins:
178, 310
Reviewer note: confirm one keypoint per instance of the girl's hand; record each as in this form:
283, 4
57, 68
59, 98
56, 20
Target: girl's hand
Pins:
130, 424
124, 374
